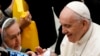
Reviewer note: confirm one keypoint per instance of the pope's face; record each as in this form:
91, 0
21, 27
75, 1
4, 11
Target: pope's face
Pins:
12, 37
71, 26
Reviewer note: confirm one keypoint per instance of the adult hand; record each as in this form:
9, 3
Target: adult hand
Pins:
39, 50
44, 52
24, 22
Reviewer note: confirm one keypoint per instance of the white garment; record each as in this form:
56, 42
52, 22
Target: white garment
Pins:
89, 45
65, 45
3, 49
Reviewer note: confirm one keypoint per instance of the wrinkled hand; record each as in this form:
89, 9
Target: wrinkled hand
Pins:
24, 22
39, 50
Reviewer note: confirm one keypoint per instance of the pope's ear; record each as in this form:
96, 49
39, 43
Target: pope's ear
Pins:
85, 22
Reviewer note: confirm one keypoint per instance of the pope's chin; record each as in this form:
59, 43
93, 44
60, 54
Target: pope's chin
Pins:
71, 38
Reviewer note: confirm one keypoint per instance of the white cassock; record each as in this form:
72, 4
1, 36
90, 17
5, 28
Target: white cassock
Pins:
89, 45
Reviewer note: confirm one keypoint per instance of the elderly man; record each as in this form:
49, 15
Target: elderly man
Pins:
82, 35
